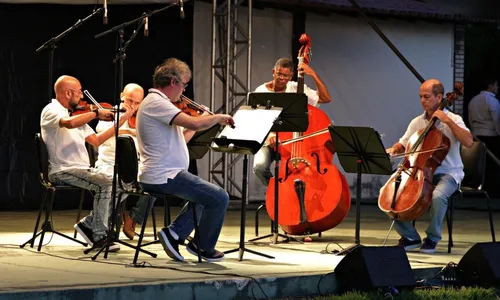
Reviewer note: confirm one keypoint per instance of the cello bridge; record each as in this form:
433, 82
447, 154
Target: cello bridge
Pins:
298, 160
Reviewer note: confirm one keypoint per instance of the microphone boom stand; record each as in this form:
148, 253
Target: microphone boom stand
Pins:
112, 236
51, 45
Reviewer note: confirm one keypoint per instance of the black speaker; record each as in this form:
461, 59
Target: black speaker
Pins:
375, 267
480, 265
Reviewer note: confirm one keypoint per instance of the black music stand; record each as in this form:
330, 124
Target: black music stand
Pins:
293, 118
360, 151
246, 138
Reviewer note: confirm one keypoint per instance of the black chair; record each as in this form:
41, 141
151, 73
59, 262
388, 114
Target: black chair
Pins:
127, 173
474, 160
48, 194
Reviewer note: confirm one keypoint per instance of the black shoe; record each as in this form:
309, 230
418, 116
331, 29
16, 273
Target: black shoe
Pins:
113, 247
85, 232
428, 246
170, 245
409, 245
215, 256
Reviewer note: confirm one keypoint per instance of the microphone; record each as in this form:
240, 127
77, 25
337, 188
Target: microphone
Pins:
105, 17
181, 5
146, 28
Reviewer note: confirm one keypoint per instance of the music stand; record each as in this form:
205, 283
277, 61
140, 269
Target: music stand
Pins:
293, 118
360, 151
246, 138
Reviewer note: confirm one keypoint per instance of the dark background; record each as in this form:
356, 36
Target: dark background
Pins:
24, 75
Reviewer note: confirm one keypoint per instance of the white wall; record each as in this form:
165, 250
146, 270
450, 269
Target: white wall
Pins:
369, 85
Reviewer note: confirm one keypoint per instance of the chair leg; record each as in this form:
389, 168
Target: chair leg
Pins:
82, 196
154, 222
42, 205
449, 221
257, 219
143, 228
167, 216
48, 212
196, 231
491, 218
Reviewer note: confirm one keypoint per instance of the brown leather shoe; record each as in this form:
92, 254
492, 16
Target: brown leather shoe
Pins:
128, 226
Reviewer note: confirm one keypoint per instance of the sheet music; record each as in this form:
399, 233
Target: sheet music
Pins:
252, 124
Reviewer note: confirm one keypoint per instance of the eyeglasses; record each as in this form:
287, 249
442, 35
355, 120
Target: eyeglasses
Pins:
183, 84
284, 76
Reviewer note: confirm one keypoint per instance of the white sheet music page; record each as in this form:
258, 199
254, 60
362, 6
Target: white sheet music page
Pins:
252, 124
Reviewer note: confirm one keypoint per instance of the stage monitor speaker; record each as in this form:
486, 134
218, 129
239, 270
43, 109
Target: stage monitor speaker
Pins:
480, 265
367, 268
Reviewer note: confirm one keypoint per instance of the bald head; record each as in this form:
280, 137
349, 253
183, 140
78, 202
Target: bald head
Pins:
434, 85
66, 82
132, 95
68, 91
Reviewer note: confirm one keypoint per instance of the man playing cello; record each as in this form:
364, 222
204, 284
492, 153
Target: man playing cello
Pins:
447, 177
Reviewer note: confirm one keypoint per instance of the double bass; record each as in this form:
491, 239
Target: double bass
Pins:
313, 195
407, 195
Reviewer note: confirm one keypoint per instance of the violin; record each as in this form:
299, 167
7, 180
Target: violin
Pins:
190, 107
313, 195
84, 107
407, 195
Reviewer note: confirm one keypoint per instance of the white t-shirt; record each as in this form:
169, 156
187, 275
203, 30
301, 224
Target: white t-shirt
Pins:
291, 87
162, 147
452, 164
66, 147
106, 159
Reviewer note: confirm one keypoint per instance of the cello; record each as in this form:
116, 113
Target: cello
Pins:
314, 195
407, 195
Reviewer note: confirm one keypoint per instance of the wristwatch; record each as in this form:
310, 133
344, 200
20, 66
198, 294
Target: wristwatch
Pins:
96, 111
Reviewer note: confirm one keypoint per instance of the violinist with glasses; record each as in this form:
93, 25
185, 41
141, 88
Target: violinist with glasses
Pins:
163, 130
447, 177
69, 164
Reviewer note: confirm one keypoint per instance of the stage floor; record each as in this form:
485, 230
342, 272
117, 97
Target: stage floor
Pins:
62, 264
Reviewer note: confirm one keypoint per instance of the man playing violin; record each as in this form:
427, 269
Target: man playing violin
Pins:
447, 177
132, 96
69, 164
281, 83
164, 160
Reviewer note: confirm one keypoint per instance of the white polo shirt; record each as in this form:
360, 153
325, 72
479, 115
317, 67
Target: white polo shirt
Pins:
452, 164
291, 87
66, 147
162, 147
106, 160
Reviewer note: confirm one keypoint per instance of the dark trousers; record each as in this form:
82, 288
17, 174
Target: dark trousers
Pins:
492, 172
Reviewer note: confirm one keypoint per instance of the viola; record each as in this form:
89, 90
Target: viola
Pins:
313, 195
407, 195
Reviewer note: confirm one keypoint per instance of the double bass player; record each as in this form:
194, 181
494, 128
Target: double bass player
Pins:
447, 177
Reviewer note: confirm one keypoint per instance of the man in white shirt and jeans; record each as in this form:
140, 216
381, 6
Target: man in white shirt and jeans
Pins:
69, 163
131, 95
282, 73
447, 177
164, 161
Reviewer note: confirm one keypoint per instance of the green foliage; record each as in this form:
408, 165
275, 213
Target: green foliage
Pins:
419, 294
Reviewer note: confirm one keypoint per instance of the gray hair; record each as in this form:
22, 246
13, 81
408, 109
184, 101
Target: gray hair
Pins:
438, 88
284, 63
170, 70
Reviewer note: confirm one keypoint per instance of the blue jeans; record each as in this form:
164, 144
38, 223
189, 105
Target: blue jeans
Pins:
445, 186
211, 204
262, 161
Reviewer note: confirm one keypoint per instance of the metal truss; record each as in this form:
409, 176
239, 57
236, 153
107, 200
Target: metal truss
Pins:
230, 81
